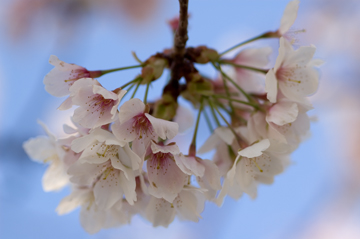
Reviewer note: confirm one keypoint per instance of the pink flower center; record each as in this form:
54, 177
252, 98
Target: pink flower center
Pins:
142, 125
99, 104
77, 74
287, 75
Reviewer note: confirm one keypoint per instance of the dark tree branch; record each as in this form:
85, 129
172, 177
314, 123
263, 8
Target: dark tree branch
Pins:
177, 65
181, 35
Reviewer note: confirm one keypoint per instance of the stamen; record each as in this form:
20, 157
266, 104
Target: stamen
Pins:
257, 166
107, 172
296, 81
103, 155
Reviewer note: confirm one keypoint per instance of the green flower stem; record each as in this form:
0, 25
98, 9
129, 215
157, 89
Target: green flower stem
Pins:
192, 148
226, 122
226, 90
208, 122
137, 87
213, 113
256, 106
265, 35
129, 83
264, 71
146, 93
119, 69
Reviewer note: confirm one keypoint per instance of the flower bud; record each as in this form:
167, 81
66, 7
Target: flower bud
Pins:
202, 54
153, 68
165, 108
196, 87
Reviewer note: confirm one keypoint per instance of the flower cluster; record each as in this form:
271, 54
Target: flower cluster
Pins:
120, 158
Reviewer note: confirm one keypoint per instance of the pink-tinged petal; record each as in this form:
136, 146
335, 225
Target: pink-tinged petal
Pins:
107, 190
117, 162
255, 150
188, 204
92, 218
250, 81
185, 118
39, 149
58, 81
124, 131
140, 145
221, 134
55, 177
283, 112
170, 148
304, 82
289, 16
67, 104
105, 93
300, 58
94, 154
284, 49
69, 130
209, 144
276, 132
227, 184
210, 180
84, 174
235, 191
256, 127
189, 165
72, 201
79, 144
212, 174
163, 128
130, 109
302, 124
225, 134
254, 57
271, 86
165, 178
128, 185
160, 212
136, 161
82, 84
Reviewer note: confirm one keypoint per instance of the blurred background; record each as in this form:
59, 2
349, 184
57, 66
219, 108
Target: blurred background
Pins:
318, 196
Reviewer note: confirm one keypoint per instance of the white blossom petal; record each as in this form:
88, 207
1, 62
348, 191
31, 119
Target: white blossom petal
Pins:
255, 150
163, 128
108, 190
130, 109
160, 212
189, 165
283, 112
271, 86
289, 16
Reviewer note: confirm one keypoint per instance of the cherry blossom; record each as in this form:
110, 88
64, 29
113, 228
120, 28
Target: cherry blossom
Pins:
137, 126
58, 81
48, 150
293, 73
97, 106
187, 205
92, 218
289, 17
254, 164
166, 179
250, 80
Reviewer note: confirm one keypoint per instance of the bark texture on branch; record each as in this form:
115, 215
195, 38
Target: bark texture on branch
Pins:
180, 39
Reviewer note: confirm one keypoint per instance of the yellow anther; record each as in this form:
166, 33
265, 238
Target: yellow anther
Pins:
107, 172
258, 166
296, 81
